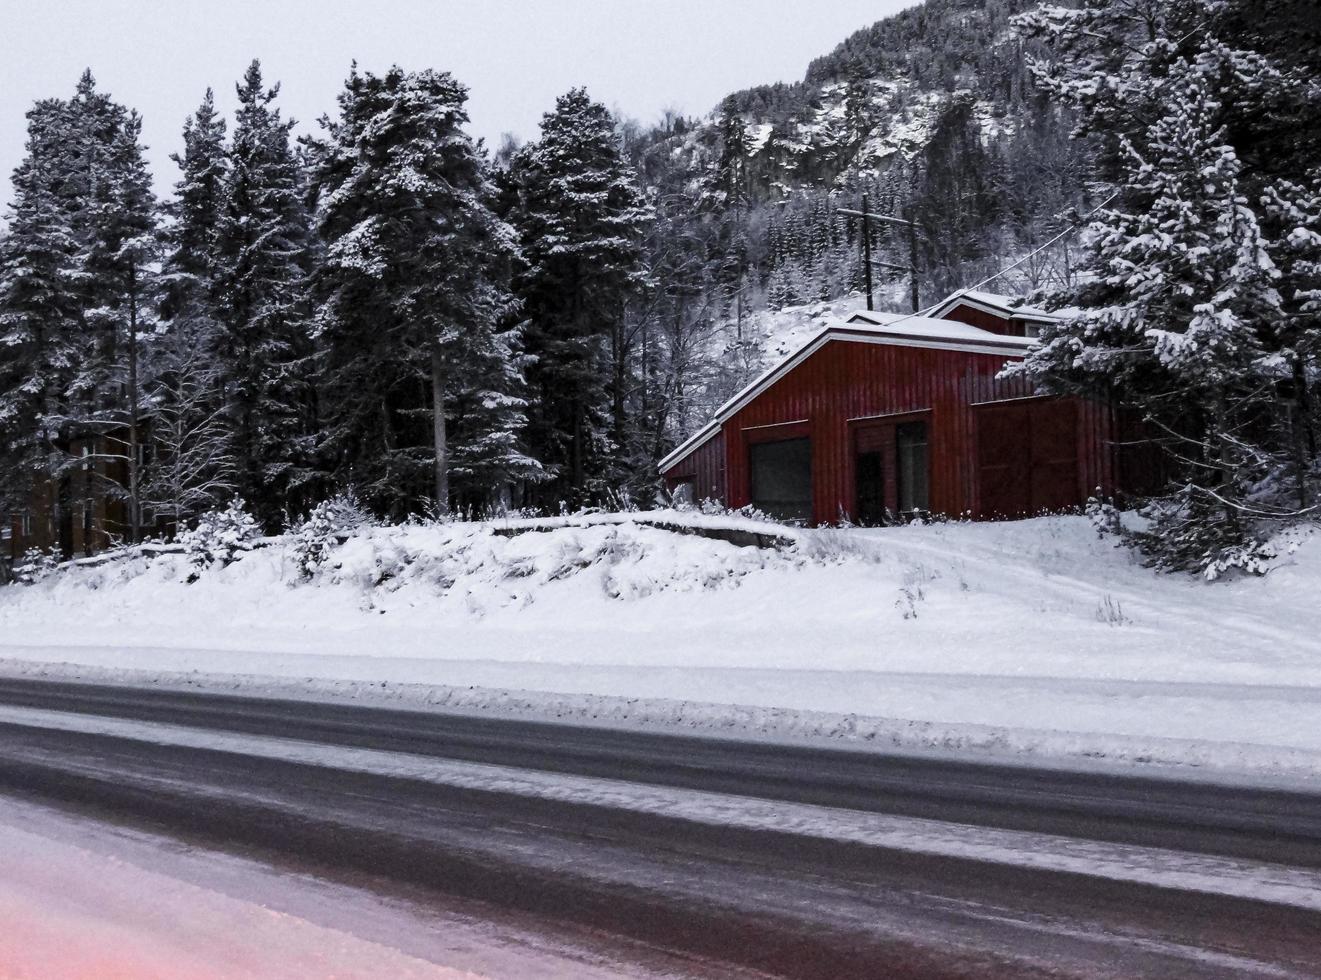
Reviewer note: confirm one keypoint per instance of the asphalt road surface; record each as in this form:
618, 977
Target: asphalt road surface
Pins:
729, 856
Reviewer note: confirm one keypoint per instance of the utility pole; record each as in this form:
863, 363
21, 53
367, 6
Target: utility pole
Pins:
912, 260
911, 268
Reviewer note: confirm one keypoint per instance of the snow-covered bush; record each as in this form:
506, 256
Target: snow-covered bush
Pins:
36, 566
1195, 537
330, 521
1105, 517
220, 535
714, 508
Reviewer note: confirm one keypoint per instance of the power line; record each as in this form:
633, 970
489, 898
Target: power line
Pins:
1067, 231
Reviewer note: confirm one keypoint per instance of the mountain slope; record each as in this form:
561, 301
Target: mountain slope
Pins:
931, 114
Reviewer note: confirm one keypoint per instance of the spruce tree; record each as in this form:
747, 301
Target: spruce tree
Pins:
580, 215
731, 172
79, 289
118, 270
1182, 317
192, 466
39, 313
190, 267
262, 304
420, 384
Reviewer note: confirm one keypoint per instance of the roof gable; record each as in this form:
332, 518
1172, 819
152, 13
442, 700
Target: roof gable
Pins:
994, 303
868, 327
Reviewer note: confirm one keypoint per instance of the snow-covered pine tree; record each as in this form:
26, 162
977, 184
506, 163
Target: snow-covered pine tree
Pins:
731, 171
39, 313
79, 290
263, 308
581, 216
488, 419
189, 269
192, 467
419, 384
117, 221
1292, 221
1181, 314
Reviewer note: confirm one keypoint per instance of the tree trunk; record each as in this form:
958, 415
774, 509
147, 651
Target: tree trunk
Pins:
1224, 464
618, 355
1304, 439
577, 466
438, 420
134, 503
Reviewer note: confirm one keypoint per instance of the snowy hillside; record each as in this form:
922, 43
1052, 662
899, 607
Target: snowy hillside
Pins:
779, 333
1033, 636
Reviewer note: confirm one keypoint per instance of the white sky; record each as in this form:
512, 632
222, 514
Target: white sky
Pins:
159, 56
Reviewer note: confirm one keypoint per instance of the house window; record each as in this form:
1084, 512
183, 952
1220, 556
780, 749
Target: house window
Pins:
910, 443
781, 474
25, 524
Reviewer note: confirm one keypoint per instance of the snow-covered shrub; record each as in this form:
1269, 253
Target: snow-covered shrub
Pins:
1181, 535
1194, 537
36, 566
1105, 517
220, 535
714, 508
833, 545
329, 523
1253, 557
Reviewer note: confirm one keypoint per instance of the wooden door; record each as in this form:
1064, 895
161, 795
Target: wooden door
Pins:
1027, 457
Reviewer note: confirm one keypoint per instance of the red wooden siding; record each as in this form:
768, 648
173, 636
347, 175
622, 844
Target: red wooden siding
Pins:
994, 322
844, 384
1027, 457
704, 468
974, 317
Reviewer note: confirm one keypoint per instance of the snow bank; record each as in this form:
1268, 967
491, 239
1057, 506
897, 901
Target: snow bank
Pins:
1028, 637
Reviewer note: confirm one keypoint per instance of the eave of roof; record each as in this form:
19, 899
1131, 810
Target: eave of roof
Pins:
864, 327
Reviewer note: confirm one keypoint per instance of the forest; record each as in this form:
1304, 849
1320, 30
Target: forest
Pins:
391, 309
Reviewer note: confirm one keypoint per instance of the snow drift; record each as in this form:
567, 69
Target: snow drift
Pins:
1032, 636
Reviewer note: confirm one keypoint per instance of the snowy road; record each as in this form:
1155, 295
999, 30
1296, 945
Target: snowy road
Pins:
80, 900
794, 861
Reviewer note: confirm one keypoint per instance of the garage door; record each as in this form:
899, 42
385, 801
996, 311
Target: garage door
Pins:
1027, 457
781, 474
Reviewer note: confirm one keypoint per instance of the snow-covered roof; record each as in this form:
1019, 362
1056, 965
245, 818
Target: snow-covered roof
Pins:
1007, 306
929, 327
865, 326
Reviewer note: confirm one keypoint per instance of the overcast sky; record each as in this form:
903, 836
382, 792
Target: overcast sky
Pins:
159, 56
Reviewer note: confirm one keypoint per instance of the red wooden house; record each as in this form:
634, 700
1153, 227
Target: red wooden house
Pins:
884, 414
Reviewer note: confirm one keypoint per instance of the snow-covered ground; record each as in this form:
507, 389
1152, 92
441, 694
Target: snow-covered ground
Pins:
1025, 637
86, 901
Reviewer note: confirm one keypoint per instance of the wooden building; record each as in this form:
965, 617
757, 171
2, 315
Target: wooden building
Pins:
882, 415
